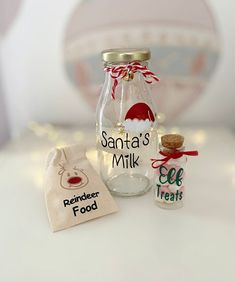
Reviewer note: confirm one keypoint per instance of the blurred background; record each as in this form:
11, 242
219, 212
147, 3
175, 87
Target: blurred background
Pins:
50, 76
51, 72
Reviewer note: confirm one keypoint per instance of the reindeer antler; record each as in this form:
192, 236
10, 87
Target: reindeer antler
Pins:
62, 169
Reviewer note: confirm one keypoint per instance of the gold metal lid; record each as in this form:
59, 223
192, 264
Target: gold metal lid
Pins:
125, 55
172, 141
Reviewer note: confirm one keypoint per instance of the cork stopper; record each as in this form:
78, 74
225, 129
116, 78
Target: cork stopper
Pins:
172, 141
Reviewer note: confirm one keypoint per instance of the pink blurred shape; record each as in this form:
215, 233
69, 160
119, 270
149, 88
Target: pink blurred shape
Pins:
8, 13
182, 37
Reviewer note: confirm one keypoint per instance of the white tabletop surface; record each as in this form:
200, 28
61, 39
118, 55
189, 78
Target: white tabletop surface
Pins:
139, 243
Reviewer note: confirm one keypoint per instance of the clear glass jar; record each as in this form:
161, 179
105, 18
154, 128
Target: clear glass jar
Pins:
169, 188
126, 127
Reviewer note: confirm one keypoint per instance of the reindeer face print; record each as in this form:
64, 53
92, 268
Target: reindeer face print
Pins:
72, 178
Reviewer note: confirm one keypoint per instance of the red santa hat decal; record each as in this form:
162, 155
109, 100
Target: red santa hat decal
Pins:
139, 118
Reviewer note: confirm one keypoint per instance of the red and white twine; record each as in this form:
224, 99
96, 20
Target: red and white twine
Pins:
120, 71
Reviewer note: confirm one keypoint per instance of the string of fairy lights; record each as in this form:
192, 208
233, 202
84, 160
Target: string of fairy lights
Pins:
56, 136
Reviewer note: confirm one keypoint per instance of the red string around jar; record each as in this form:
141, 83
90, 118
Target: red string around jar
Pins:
120, 71
174, 155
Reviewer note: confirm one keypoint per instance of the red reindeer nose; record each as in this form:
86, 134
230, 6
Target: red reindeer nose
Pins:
74, 180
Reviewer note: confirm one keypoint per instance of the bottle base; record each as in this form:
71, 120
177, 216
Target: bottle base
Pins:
128, 185
170, 206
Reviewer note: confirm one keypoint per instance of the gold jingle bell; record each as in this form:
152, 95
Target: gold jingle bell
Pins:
129, 76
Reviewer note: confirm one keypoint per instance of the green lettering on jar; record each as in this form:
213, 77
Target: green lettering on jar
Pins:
179, 177
172, 176
162, 175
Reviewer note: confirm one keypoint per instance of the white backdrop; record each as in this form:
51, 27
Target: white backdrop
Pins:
33, 77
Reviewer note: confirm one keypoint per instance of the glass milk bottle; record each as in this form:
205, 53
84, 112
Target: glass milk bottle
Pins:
170, 170
126, 122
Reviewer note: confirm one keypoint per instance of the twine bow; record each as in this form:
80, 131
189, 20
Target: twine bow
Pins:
120, 71
174, 155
